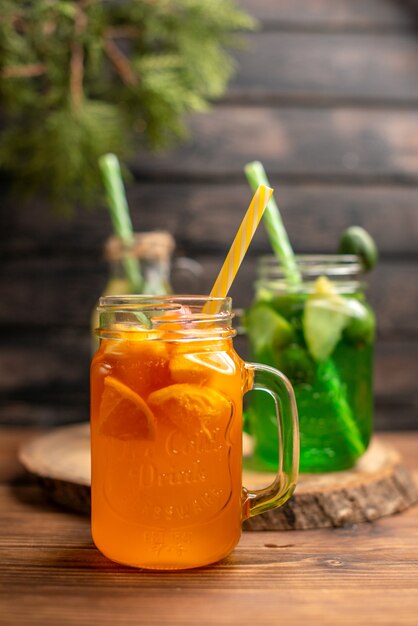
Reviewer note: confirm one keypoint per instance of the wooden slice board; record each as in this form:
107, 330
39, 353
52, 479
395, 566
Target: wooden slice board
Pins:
379, 485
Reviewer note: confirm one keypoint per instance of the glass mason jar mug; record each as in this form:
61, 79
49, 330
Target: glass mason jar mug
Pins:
320, 334
166, 432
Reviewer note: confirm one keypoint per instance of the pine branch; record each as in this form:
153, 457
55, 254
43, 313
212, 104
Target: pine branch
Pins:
70, 90
121, 63
122, 32
23, 71
77, 59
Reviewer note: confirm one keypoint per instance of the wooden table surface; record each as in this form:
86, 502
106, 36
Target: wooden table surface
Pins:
51, 572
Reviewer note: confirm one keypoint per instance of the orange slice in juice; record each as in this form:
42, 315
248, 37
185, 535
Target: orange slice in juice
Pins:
124, 414
140, 365
200, 367
186, 368
191, 408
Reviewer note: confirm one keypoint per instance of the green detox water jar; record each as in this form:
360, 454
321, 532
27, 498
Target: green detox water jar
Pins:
320, 334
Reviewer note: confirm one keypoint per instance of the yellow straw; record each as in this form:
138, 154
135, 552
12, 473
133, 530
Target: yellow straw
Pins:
239, 246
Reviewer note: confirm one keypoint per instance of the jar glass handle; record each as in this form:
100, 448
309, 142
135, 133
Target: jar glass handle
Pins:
273, 382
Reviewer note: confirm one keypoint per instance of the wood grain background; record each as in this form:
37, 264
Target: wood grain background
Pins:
326, 95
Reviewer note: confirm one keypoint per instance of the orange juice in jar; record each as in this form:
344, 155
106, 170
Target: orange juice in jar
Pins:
166, 433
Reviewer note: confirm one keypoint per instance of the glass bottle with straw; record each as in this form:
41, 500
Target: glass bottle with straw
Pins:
138, 263
310, 320
121, 219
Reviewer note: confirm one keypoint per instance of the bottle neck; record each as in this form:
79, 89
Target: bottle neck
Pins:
155, 246
155, 272
151, 251
344, 271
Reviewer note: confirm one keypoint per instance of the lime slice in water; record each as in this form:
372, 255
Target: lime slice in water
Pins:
362, 325
266, 328
325, 317
356, 240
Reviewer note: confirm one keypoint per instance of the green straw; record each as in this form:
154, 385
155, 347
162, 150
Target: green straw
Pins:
119, 213
256, 175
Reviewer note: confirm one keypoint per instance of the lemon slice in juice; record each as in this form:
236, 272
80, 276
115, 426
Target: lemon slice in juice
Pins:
124, 414
325, 317
190, 408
